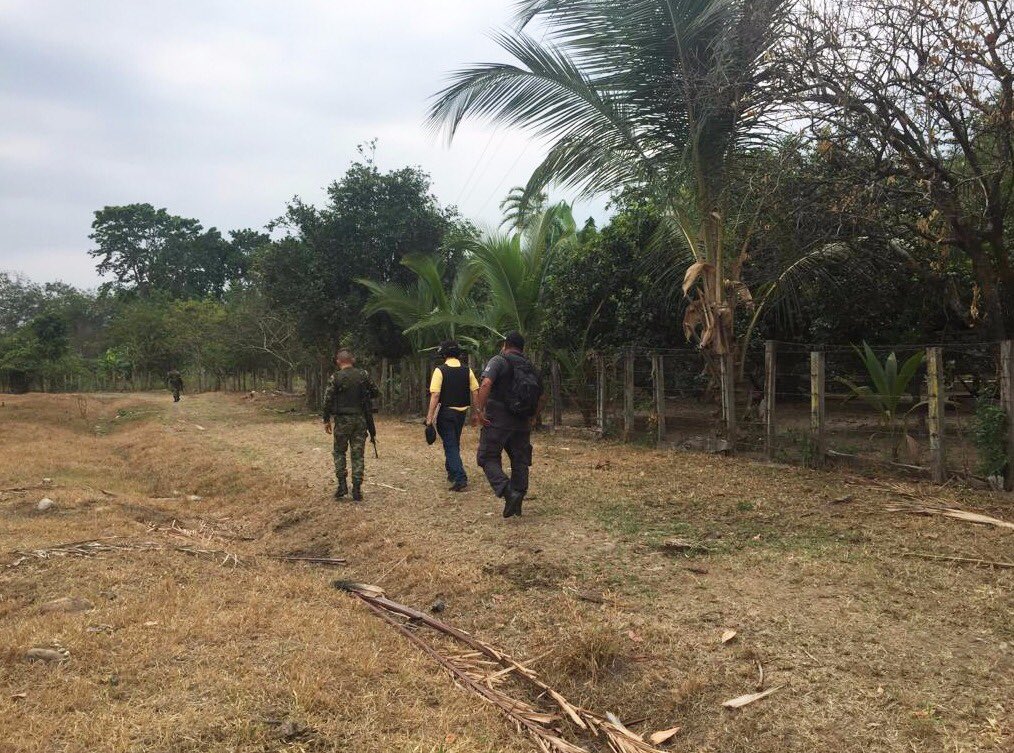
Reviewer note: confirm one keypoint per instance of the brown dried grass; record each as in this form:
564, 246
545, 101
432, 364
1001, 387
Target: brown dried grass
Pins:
879, 652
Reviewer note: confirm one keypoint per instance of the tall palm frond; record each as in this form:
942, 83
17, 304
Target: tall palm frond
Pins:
655, 93
520, 206
427, 311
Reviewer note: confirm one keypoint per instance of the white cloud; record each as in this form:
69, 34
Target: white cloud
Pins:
224, 110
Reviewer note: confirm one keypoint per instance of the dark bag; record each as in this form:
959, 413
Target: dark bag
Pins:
525, 389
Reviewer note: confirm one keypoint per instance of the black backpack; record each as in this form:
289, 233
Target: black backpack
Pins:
525, 389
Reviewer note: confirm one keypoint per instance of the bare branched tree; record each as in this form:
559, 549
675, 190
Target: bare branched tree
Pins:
925, 89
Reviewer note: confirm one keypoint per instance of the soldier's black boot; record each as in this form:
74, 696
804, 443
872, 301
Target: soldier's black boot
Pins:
511, 503
357, 493
342, 490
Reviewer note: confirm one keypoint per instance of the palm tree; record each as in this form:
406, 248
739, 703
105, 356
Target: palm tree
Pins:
660, 94
513, 269
520, 206
429, 301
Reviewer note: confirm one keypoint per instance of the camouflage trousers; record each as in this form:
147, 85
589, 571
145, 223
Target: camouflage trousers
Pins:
350, 433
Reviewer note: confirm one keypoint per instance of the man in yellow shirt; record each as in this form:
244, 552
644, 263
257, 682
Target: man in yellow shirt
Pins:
452, 390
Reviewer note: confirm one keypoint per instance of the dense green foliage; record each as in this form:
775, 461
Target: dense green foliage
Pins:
989, 432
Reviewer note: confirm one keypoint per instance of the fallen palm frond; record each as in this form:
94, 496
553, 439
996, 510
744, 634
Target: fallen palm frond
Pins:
83, 548
968, 560
204, 531
311, 560
94, 547
484, 669
227, 557
925, 505
951, 512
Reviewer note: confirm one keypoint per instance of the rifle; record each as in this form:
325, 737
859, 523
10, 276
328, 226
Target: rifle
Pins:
371, 426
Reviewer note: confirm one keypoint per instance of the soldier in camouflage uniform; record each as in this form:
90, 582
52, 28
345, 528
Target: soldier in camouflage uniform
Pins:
175, 380
349, 394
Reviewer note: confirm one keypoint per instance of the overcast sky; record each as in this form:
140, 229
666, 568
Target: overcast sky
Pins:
225, 110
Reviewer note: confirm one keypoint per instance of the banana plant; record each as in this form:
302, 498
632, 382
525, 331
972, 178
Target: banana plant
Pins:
888, 384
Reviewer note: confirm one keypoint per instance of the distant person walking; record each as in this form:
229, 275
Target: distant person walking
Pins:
175, 380
349, 395
453, 388
510, 396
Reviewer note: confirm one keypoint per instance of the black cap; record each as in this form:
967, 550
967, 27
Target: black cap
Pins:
515, 340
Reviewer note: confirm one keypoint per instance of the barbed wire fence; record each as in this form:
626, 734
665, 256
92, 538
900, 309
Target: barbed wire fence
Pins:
799, 403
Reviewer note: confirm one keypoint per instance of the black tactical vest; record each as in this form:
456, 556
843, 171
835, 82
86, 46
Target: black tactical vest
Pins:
454, 389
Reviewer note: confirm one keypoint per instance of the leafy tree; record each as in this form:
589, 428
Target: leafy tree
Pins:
50, 332
371, 221
601, 290
20, 300
139, 328
150, 251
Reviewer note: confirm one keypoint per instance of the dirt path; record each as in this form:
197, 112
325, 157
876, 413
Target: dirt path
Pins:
875, 650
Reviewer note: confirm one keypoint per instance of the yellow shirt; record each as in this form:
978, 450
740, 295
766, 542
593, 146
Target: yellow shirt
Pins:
438, 381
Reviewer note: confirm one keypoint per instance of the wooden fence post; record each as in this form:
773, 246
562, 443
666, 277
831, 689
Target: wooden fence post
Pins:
935, 413
727, 374
1007, 402
770, 382
600, 394
385, 378
628, 395
554, 379
818, 440
658, 378
424, 385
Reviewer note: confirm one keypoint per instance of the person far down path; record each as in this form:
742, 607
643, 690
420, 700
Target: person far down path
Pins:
452, 389
175, 380
349, 401
510, 397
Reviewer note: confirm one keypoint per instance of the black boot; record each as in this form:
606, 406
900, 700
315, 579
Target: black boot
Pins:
511, 503
357, 493
342, 490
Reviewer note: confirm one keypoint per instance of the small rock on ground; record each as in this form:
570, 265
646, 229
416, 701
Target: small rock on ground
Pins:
67, 604
45, 504
47, 654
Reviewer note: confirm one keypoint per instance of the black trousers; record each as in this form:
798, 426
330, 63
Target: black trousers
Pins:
493, 442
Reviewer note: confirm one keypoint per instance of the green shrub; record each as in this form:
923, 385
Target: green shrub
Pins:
989, 432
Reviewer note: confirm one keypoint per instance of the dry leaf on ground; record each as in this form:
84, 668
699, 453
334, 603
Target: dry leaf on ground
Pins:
728, 635
744, 700
657, 738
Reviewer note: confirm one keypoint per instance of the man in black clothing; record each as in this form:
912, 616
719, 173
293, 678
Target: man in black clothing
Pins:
452, 389
507, 422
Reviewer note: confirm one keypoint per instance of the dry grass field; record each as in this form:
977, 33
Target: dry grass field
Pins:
198, 640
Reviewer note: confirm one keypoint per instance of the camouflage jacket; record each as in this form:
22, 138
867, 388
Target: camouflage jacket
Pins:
348, 390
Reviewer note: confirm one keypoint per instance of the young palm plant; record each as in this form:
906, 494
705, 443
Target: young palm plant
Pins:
428, 311
661, 94
888, 385
512, 269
